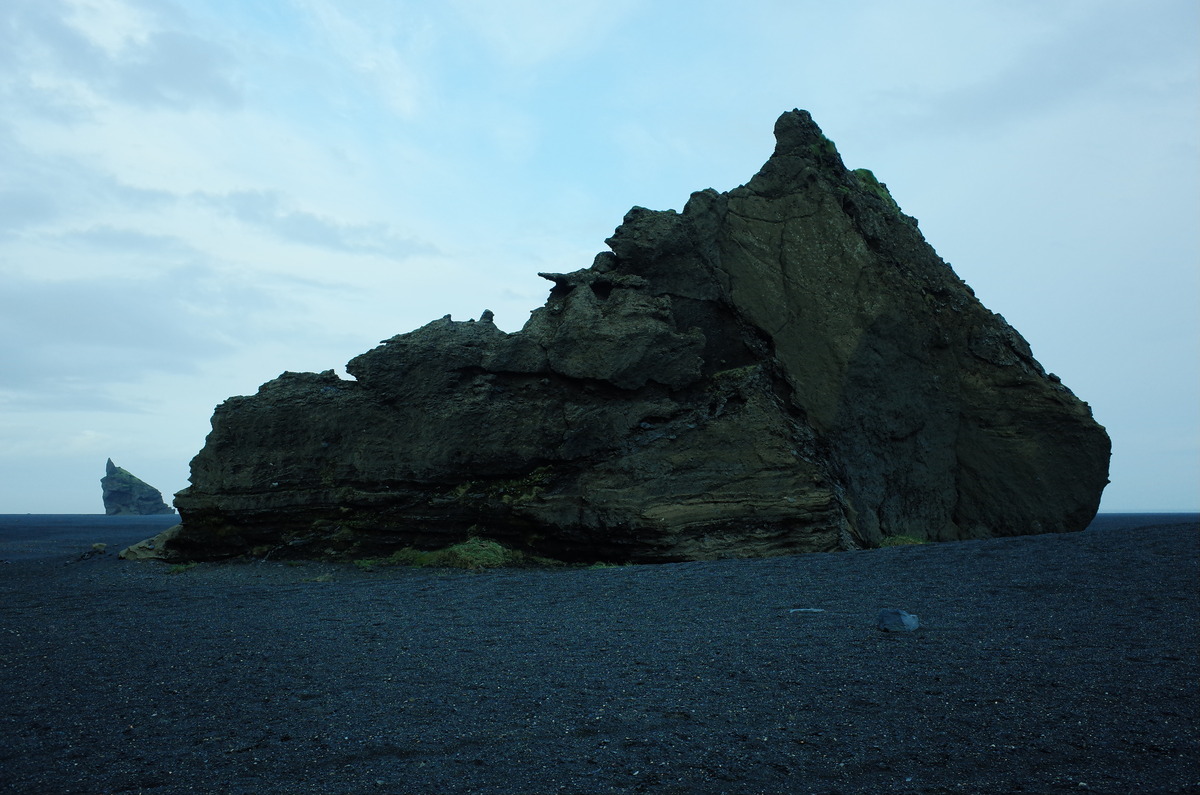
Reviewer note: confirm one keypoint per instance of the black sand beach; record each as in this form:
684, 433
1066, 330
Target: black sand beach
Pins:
1045, 664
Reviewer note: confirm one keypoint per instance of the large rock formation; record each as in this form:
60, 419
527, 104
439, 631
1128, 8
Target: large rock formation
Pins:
785, 367
126, 495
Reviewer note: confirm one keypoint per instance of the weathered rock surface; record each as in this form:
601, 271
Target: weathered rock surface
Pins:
154, 548
892, 620
126, 495
785, 367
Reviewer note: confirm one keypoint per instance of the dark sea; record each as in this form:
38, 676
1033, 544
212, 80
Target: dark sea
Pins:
29, 536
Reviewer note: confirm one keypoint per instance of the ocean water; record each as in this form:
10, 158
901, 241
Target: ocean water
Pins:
1132, 521
27, 536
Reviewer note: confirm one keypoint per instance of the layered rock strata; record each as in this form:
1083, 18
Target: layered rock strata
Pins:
785, 367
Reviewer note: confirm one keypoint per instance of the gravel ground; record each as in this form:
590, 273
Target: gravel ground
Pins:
1043, 664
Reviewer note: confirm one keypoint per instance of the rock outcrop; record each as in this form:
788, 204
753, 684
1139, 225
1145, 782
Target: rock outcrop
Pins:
153, 548
786, 367
126, 495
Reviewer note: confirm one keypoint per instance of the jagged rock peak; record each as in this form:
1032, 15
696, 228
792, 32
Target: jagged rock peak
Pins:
124, 494
784, 367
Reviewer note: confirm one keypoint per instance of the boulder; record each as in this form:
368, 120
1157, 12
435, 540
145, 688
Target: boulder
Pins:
892, 620
154, 548
786, 367
126, 495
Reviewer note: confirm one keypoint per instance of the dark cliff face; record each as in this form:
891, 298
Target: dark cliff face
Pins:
785, 367
126, 495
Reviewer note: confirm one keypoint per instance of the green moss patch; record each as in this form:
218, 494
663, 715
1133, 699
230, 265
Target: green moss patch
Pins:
473, 554
867, 179
901, 541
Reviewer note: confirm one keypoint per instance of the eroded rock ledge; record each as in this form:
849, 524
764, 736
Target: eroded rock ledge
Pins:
786, 367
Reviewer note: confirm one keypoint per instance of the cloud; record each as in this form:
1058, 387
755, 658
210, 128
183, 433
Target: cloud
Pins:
1101, 52
79, 53
266, 210
529, 33
45, 190
113, 238
42, 188
64, 343
176, 69
25, 207
375, 42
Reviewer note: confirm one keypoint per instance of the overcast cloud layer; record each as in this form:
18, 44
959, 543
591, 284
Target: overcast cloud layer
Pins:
196, 196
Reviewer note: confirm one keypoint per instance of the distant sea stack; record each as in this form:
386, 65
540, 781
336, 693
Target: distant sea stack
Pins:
785, 367
126, 495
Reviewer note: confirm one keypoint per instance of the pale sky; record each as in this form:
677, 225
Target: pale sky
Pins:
196, 195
